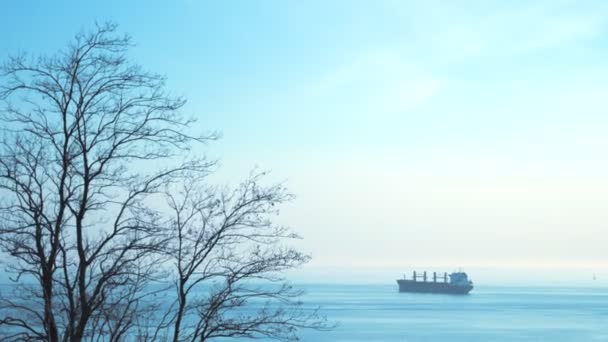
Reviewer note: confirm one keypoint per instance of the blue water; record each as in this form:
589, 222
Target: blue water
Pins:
488, 314
380, 313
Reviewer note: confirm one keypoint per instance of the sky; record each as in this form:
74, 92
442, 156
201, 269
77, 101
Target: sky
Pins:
415, 134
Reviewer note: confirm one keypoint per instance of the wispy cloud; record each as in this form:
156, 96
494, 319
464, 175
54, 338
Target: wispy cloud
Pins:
382, 81
459, 30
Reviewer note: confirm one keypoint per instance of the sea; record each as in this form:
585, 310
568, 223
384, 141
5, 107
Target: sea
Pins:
489, 313
378, 312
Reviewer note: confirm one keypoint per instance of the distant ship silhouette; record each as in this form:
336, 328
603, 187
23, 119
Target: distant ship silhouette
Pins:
459, 284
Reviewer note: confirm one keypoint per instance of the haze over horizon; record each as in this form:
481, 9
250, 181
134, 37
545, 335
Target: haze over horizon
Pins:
413, 134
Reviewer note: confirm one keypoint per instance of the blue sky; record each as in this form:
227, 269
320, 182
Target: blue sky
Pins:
438, 133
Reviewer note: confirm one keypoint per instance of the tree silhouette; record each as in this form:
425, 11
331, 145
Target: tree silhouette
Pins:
90, 144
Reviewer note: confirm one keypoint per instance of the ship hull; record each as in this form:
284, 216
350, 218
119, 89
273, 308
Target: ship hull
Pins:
432, 287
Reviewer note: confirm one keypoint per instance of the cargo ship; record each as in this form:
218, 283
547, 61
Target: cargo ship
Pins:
459, 283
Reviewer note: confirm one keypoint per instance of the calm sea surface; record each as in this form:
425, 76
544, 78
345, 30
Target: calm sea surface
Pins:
488, 314
380, 313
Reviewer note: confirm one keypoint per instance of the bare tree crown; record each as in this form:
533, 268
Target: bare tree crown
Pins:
90, 143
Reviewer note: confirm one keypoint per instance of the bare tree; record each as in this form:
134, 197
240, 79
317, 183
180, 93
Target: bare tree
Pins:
79, 228
228, 261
